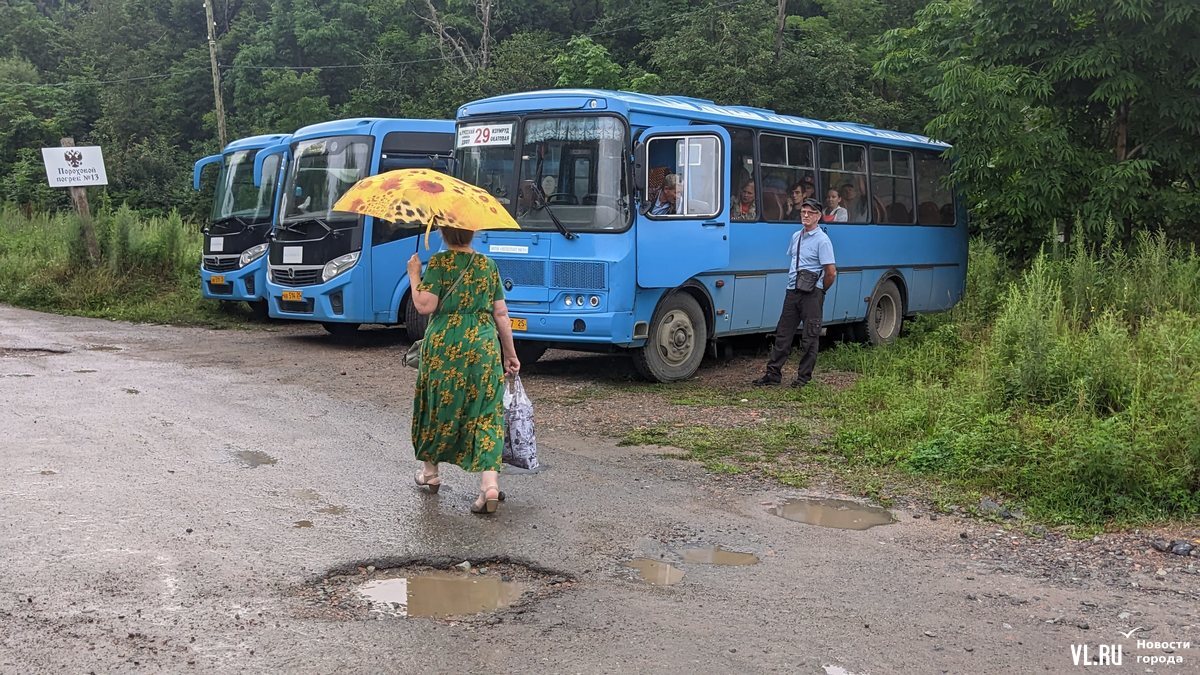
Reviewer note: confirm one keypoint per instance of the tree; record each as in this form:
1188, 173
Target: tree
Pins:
1063, 112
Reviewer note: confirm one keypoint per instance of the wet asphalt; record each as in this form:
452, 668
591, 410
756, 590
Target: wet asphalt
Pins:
155, 482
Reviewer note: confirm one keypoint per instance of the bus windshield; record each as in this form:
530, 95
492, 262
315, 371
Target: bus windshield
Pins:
571, 169
236, 196
322, 170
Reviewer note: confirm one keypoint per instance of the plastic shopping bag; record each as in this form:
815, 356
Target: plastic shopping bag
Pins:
520, 446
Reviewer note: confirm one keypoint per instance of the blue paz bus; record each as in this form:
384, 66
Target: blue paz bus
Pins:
342, 269
235, 237
603, 262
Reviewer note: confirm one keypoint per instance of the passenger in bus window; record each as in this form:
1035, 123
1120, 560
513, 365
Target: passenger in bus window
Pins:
743, 203
797, 193
811, 273
834, 211
666, 202
855, 203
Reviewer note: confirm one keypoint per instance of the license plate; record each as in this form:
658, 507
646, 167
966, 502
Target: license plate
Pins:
519, 324
217, 279
293, 296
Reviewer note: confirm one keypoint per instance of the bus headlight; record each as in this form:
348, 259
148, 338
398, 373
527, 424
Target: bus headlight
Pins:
338, 265
568, 301
251, 254
594, 301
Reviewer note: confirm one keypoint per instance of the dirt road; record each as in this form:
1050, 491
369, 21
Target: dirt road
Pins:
175, 499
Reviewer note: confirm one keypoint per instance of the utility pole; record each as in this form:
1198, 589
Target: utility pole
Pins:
780, 23
216, 73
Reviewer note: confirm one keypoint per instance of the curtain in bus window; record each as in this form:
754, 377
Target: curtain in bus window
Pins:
935, 201
574, 129
844, 168
787, 175
892, 185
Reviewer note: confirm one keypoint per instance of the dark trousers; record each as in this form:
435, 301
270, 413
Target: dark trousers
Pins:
797, 306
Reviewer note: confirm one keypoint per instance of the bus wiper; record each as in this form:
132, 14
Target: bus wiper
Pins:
543, 202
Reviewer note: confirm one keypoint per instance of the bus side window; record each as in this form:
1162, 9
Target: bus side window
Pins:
686, 176
935, 201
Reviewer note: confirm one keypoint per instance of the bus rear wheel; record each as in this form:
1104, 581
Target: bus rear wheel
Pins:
677, 339
885, 316
415, 323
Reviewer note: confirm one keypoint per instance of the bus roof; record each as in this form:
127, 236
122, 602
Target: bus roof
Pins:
361, 126
256, 142
687, 108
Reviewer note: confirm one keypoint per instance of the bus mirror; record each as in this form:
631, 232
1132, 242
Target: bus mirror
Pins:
639, 167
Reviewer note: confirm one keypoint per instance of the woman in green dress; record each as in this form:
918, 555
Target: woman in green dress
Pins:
458, 406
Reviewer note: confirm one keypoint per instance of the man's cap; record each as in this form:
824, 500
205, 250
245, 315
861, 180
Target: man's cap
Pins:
812, 203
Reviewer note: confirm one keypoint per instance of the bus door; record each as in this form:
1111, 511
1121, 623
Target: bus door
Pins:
682, 225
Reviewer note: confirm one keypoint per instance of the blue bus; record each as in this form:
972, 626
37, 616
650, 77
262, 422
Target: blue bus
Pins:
596, 266
341, 269
243, 211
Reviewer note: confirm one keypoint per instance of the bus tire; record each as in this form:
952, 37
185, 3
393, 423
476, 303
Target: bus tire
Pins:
678, 336
529, 351
340, 329
885, 315
415, 323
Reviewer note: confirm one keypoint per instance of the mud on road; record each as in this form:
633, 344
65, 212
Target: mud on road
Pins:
181, 499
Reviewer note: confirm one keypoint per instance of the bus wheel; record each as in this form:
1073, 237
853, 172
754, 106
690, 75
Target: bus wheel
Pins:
885, 315
529, 351
415, 323
676, 343
340, 329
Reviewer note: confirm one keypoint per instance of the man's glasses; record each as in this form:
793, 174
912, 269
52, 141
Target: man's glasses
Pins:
809, 212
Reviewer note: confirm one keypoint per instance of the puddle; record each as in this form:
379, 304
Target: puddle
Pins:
839, 513
19, 375
307, 494
655, 572
253, 458
333, 510
440, 595
715, 555
49, 472
131, 390
302, 523
103, 348
87, 370
18, 352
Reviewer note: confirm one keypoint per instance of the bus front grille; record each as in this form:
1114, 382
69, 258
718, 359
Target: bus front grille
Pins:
580, 275
220, 263
285, 276
522, 272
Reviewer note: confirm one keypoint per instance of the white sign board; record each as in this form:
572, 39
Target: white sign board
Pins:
485, 134
75, 167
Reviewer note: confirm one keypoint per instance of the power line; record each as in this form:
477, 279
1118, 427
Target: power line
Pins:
376, 64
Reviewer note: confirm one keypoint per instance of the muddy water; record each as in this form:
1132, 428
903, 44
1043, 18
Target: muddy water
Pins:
440, 594
838, 513
253, 458
715, 555
656, 572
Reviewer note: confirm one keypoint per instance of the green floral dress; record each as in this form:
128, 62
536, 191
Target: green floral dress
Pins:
458, 406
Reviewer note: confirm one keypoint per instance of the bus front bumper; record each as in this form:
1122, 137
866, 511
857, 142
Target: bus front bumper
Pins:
613, 328
334, 301
247, 284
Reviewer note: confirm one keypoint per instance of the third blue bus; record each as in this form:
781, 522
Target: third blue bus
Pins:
596, 267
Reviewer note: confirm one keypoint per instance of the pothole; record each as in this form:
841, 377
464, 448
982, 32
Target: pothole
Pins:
842, 514
252, 459
656, 572
715, 555
23, 352
441, 590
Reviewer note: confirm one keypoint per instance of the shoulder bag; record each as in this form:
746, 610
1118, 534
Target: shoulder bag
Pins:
412, 358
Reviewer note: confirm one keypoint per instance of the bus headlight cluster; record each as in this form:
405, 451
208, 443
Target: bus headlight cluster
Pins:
592, 301
338, 265
251, 254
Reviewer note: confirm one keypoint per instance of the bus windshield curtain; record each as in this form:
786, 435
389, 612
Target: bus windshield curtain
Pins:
573, 129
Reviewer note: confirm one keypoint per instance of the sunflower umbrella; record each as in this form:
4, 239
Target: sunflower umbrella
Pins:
427, 197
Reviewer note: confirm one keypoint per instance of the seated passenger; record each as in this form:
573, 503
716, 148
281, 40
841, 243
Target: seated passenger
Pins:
743, 204
834, 211
797, 193
665, 202
855, 204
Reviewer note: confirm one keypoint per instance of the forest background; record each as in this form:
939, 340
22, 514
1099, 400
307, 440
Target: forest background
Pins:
1067, 381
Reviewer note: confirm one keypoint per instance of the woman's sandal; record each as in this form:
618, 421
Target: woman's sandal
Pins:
489, 505
432, 485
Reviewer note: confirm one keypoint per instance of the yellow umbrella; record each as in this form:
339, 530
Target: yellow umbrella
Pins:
428, 197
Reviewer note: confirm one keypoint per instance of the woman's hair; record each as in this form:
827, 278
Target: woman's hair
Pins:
456, 237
